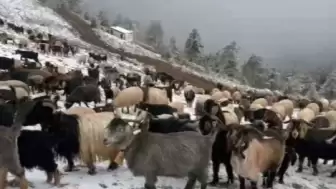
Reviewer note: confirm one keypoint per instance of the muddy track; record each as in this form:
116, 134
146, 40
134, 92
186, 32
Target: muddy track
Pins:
88, 35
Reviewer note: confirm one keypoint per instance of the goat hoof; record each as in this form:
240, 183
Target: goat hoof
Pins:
281, 182
61, 185
213, 183
315, 173
92, 172
299, 170
112, 166
68, 169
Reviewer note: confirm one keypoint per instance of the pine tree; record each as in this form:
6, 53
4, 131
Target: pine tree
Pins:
154, 34
73, 4
93, 23
328, 89
252, 70
86, 16
118, 21
193, 46
103, 19
172, 46
312, 92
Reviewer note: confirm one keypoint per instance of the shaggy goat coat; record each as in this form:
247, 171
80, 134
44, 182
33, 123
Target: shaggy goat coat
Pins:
199, 104
179, 106
289, 107
280, 110
325, 104
315, 107
259, 156
306, 114
175, 154
134, 95
15, 84
230, 116
331, 116
92, 128
260, 102
332, 105
79, 110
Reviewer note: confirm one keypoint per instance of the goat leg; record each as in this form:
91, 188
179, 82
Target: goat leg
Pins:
151, 179
325, 162
314, 164
70, 166
215, 170
113, 166
333, 174
301, 159
241, 182
49, 177
229, 171
92, 169
284, 166
270, 179
191, 182
253, 185
86, 104
57, 179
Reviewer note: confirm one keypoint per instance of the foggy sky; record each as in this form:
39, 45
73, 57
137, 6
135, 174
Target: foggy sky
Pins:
283, 32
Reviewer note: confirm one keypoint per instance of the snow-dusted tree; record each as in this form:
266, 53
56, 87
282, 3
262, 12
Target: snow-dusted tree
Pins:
312, 92
103, 19
274, 79
86, 16
154, 34
93, 23
328, 89
193, 46
292, 85
231, 68
118, 21
253, 71
172, 46
73, 4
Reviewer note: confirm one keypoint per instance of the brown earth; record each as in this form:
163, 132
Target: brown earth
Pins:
89, 36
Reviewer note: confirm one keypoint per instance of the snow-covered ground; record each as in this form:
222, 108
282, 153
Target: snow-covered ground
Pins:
127, 46
27, 13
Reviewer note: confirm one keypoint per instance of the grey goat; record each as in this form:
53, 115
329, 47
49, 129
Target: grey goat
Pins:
149, 154
9, 157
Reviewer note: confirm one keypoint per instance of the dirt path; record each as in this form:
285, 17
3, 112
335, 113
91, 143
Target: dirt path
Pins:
88, 35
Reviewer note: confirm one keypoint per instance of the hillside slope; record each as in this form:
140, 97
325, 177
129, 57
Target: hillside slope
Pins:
88, 35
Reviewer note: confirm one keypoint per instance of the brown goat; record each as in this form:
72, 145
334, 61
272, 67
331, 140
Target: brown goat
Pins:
255, 153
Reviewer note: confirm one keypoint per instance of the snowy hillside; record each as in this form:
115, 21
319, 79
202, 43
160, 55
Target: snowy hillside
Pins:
30, 14
126, 46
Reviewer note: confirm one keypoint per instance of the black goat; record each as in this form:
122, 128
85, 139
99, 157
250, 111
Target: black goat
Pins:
93, 72
36, 151
220, 151
157, 109
314, 150
6, 63
98, 57
65, 128
72, 84
87, 93
28, 55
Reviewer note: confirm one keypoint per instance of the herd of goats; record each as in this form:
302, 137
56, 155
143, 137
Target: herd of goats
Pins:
143, 125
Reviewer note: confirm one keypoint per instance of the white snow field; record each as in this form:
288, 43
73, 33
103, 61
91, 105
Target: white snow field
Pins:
28, 13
